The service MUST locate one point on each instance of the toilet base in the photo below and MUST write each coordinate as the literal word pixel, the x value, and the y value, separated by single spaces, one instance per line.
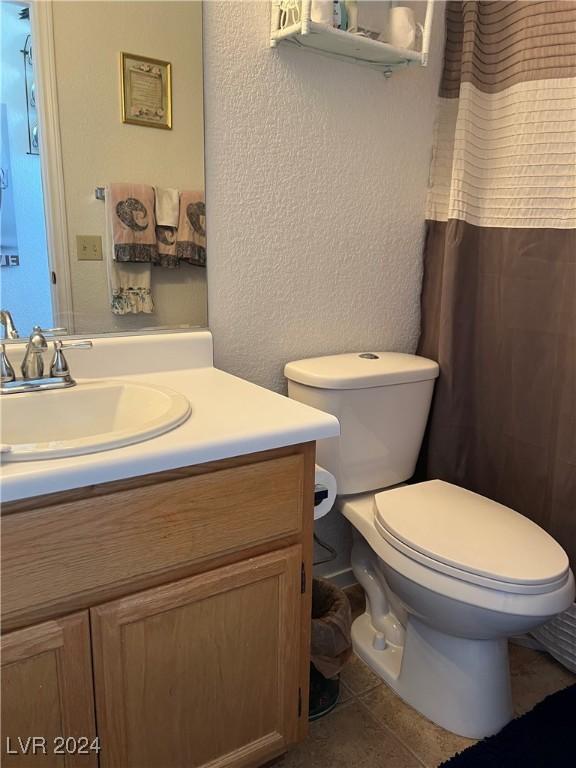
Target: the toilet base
pixel 462 685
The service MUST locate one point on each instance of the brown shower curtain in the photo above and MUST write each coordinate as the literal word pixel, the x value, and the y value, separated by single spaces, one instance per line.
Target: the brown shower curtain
pixel 499 292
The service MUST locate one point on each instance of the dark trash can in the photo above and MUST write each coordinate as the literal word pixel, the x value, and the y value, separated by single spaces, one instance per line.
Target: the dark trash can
pixel 331 645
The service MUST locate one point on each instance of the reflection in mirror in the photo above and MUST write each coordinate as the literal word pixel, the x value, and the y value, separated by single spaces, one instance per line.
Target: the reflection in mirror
pixel 102 182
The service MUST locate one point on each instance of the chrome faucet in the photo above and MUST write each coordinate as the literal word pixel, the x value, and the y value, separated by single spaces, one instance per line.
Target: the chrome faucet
pixel 33 364
pixel 10 331
pixel 32 368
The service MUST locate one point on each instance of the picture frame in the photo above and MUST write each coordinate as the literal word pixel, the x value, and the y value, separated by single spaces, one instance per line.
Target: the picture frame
pixel 146 91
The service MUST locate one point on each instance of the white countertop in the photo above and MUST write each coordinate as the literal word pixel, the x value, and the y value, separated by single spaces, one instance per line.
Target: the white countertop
pixel 230 417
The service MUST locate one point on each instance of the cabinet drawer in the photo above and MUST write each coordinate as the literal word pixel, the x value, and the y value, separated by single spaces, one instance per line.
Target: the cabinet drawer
pixel 81 547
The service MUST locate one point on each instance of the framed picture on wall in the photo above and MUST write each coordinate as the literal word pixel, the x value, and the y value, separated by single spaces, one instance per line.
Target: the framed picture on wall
pixel 146 86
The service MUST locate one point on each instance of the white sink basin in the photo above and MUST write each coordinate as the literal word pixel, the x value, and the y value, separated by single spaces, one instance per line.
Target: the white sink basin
pixel 92 416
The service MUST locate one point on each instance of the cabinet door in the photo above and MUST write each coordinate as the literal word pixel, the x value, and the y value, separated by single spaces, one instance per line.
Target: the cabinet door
pixel 201 672
pixel 47 693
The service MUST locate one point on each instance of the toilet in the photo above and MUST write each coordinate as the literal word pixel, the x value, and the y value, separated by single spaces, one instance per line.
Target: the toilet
pixel 449 575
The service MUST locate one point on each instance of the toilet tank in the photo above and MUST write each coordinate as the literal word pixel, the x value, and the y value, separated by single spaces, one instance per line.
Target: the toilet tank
pixel 381 400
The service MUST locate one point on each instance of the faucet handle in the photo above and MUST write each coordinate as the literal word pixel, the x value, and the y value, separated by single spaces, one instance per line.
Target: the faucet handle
pixel 50 331
pixel 80 344
pixel 59 365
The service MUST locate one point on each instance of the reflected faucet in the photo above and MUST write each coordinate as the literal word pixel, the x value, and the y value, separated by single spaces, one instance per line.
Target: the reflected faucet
pixel 10 331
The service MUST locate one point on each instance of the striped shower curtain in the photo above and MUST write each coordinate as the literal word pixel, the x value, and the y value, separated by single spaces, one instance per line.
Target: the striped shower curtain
pixel 499 291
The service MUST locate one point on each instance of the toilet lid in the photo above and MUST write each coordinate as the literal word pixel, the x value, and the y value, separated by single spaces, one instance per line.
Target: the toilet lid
pixel 460 529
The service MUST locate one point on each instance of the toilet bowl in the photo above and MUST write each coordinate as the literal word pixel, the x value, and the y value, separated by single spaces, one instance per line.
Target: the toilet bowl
pixel 449 575
pixel 437 634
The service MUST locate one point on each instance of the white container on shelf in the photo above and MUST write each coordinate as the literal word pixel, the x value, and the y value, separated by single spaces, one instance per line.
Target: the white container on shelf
pixel 322 11
pixel 403 27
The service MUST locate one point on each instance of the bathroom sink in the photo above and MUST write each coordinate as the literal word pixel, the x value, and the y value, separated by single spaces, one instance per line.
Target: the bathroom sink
pixel 92 416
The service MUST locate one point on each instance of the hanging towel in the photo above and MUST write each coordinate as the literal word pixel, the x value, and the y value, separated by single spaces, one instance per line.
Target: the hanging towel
pixel 167 214
pixel 191 242
pixel 131 211
pixel 130 289
pixel 128 282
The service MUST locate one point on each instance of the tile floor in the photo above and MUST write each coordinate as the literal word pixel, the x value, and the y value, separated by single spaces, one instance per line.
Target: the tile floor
pixel 372 728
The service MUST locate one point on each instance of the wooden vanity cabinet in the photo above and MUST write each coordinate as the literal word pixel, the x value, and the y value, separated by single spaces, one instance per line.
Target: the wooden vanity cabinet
pixel 191 652
pixel 204 671
pixel 47 693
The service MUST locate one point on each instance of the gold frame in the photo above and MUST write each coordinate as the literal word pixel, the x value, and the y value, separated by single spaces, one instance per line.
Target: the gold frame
pixel 166 123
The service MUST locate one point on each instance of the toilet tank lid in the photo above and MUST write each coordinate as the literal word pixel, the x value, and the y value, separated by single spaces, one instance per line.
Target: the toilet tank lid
pixel 360 370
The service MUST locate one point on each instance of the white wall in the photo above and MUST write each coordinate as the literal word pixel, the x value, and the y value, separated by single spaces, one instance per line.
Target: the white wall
pixel 316 183
pixel 97 148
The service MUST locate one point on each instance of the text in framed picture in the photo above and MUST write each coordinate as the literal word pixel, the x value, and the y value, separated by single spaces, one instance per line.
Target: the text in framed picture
pixel 146 91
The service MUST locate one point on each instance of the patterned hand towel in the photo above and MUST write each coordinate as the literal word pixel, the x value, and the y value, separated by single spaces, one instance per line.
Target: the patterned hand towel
pixel 128 281
pixel 131 212
pixel 167 214
pixel 191 243
pixel 130 289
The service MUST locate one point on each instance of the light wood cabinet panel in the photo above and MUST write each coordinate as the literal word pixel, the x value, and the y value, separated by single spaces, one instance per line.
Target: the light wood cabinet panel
pixel 47 692
pixel 207 668
pixel 202 672
pixel 67 556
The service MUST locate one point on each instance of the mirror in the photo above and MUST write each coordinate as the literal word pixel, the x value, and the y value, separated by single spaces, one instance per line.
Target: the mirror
pixel 102 142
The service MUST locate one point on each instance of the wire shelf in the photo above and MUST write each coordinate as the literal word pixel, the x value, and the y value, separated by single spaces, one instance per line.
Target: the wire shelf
pixel 291 23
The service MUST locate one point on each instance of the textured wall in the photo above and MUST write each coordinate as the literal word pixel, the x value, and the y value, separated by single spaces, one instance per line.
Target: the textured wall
pixel 316 176
pixel 316 179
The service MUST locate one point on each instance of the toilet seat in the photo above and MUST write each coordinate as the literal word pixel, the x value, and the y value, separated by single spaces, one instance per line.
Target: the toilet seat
pixel 469 537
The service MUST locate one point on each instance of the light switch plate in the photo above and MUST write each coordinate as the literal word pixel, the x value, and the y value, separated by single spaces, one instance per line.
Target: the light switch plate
pixel 89 247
